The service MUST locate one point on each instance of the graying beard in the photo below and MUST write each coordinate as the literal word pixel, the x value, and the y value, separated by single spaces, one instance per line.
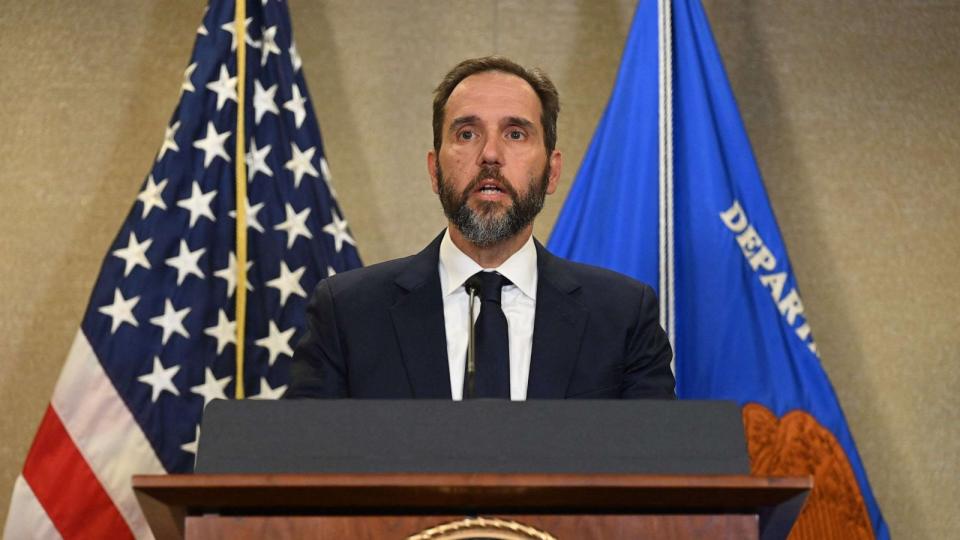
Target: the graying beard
pixel 486 231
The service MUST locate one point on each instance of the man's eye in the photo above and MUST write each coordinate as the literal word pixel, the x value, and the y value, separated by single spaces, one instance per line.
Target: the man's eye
pixel 467 135
pixel 516 135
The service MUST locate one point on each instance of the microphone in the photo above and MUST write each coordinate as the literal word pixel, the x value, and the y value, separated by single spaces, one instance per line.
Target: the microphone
pixel 472 285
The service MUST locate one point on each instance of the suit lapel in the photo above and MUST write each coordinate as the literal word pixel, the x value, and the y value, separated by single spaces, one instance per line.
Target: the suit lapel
pixel 557 329
pixel 418 321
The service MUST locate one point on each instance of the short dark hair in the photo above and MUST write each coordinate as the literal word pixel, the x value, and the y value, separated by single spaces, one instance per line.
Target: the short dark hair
pixel 538 80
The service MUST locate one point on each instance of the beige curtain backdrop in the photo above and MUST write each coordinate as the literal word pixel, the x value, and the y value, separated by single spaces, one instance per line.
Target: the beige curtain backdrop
pixel 851 105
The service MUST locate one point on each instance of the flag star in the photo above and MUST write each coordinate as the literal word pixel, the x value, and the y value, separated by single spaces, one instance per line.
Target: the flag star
pixel 225 331
pixel 295 225
pixel 186 262
pixel 269 393
pixel 232 28
pixel 252 212
pixel 212 145
pixel 338 229
pixel 120 311
pixel 187 85
pixel 295 58
pixel 152 196
pixel 257 160
pixel 277 342
pixel 269 44
pixel 230 274
pixel 301 163
pixel 168 140
pixel 327 175
pixel 212 387
pixel 198 203
pixel 171 321
pixel 288 282
pixel 135 254
pixel 331 271
pixel 191 446
pixel 202 29
pixel 225 86
pixel 295 105
pixel 160 379
pixel 264 101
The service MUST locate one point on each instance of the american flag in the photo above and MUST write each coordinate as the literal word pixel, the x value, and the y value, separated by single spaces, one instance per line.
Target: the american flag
pixel 158 340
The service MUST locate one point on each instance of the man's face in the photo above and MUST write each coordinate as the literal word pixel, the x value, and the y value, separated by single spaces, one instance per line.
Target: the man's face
pixel 492 172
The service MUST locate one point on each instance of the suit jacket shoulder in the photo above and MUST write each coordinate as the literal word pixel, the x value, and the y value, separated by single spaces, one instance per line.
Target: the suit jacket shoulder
pixel 599 330
pixel 375 331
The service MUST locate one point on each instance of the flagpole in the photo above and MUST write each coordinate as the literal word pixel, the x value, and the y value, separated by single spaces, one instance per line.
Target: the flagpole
pixel 240 167
pixel 666 225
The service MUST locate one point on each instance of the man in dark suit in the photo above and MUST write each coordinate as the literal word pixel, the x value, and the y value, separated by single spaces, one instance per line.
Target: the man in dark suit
pixel 485 310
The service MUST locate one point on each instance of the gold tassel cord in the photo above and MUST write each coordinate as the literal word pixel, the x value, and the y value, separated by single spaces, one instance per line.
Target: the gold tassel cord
pixel 240 30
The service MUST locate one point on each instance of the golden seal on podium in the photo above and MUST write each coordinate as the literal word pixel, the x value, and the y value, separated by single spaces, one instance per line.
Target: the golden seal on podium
pixel 482 528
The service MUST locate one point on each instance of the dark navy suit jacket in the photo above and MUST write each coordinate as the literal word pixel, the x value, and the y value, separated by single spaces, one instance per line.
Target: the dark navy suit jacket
pixel 378 333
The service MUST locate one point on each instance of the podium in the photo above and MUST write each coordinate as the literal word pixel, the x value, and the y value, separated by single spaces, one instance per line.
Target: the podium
pixel 442 470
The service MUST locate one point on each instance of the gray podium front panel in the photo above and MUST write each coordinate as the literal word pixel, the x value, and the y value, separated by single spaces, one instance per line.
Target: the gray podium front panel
pixel 481 436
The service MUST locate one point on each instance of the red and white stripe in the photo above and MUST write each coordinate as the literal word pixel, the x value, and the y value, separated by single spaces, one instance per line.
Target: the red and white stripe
pixel 76 482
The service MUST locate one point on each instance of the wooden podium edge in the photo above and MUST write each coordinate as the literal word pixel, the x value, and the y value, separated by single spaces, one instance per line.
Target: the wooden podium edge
pixel 165 520
pixel 167 500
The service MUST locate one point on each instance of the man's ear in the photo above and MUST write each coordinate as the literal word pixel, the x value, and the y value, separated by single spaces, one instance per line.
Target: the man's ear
pixel 556 166
pixel 432 171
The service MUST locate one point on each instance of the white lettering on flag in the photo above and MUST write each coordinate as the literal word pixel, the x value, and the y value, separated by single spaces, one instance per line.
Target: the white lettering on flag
pixel 764 262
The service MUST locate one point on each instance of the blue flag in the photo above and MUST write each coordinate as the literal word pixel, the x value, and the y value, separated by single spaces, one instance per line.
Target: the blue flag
pixel 669 192
pixel 158 340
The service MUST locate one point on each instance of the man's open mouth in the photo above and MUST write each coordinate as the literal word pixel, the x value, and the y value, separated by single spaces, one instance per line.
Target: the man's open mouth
pixel 490 186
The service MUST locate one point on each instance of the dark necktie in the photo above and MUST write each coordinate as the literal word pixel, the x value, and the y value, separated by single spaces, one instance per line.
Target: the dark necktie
pixel 492 343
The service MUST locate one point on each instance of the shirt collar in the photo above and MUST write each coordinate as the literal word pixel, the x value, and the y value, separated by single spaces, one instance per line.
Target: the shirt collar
pixel 456 266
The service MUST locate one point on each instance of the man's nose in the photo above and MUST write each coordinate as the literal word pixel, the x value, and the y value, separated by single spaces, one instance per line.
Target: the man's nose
pixel 492 152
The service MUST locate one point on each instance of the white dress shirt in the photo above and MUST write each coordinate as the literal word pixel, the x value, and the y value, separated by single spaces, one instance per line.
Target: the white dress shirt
pixel 519 301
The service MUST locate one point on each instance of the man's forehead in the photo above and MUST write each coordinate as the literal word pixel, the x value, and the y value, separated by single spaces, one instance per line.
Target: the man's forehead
pixel 496 90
